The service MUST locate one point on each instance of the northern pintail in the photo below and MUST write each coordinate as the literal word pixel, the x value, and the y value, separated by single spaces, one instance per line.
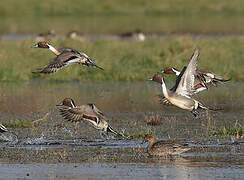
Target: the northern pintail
pixel 203 78
pixel 181 93
pixel 65 57
pixel 3 128
pixel 164 148
pixel 87 112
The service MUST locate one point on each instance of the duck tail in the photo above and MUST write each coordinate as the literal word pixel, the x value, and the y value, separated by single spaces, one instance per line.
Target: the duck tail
pixel 219 79
pixel 110 129
pixel 201 106
pixel 3 128
pixel 92 63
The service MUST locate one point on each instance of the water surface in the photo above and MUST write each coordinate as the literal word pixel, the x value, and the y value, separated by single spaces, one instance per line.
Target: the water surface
pixel 52 148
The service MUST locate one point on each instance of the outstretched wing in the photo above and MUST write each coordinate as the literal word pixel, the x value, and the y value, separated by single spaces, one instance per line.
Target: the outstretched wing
pixel 173 89
pixel 186 83
pixel 72 114
pixel 64 59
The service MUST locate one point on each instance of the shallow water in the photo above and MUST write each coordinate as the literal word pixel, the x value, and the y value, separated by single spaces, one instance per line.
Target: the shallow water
pixel 52 146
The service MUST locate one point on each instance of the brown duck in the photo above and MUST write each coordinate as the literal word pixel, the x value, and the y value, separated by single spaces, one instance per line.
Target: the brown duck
pixel 164 148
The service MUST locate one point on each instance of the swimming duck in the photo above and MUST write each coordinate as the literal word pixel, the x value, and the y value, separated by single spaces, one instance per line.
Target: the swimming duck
pixel 164 148
pixel 3 128
pixel 87 112
pixel 65 57
pixel 180 94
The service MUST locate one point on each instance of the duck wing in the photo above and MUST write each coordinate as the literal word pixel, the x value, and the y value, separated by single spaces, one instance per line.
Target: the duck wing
pixel 186 83
pixel 164 101
pixel 72 114
pixel 173 89
pixel 95 109
pixel 64 59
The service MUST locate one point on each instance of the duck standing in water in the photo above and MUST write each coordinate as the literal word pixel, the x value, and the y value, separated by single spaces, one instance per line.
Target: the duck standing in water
pixel 65 57
pixel 87 112
pixel 164 148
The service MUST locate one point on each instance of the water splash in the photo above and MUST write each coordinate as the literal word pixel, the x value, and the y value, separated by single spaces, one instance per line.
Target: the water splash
pixel 35 141
pixel 9 137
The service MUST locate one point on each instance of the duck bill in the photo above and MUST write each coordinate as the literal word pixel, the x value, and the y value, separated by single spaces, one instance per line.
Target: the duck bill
pixel 34 46
pixel 60 104
pixel 149 79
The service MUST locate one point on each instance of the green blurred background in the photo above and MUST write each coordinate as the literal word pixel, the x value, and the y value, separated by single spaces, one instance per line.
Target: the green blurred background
pixel 214 26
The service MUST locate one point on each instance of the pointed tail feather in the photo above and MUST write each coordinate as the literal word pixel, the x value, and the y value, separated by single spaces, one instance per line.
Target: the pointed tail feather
pixel 110 129
pixel 3 128
pixel 92 63
pixel 209 108
pixel 96 66
pixel 221 80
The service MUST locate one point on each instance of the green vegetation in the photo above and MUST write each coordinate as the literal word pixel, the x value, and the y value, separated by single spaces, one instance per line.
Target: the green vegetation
pixel 226 132
pixel 114 16
pixel 18 124
pixel 124 60
pixel 136 135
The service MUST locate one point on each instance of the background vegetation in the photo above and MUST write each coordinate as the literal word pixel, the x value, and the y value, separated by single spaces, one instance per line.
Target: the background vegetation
pixel 124 60
pixel 115 16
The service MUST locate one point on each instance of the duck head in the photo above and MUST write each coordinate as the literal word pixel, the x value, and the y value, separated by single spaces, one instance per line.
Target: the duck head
pixel 67 102
pixel 157 78
pixel 41 44
pixel 170 70
pixel 149 138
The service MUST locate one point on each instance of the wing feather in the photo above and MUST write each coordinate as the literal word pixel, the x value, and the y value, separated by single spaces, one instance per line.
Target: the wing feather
pixel 186 84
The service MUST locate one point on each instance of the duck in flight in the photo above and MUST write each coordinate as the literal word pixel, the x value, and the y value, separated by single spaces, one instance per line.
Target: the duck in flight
pixel 181 94
pixel 64 57
pixel 203 78
pixel 88 112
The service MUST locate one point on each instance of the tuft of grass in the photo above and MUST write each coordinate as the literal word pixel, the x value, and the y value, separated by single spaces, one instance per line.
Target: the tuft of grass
pixel 153 120
pixel 237 131
pixel 18 124
pixel 137 135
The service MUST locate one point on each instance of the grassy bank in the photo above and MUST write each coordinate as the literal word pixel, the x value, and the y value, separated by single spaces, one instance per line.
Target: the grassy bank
pixel 125 60
pixel 113 16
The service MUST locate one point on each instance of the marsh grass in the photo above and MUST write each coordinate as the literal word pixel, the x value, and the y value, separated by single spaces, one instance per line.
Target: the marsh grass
pixel 236 131
pixel 154 120
pixel 18 124
pixel 137 135
pixel 124 60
